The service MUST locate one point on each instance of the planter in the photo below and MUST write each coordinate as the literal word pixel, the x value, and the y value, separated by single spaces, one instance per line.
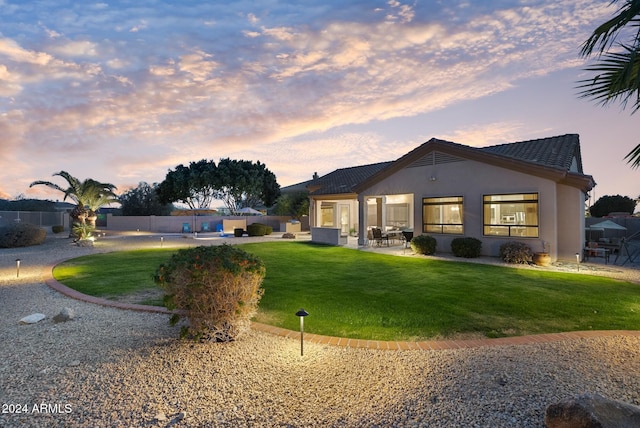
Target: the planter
pixel 542 259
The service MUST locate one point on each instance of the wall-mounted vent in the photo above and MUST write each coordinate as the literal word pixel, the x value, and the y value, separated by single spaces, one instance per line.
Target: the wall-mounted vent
pixel 435 158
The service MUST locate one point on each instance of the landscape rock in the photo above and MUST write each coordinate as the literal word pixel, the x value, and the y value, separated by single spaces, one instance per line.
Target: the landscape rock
pixel 592 411
pixel 288 235
pixel 66 314
pixel 32 319
pixel 85 243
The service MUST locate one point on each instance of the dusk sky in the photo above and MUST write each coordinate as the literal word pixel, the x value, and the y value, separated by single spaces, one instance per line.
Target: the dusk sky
pixel 123 91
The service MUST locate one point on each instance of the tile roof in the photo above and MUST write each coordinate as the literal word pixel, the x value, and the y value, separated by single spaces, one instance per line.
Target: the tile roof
pixel 560 153
pixel 554 152
pixel 344 179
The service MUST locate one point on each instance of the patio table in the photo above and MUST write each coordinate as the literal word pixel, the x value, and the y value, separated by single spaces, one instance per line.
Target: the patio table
pixel 597 252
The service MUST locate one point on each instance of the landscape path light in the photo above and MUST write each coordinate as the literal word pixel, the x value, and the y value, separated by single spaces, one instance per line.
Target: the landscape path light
pixel 578 260
pixel 302 313
pixel 17 268
pixel 161 241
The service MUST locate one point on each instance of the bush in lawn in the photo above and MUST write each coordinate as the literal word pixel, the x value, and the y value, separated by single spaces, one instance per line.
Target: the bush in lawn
pixel 58 228
pixel 466 247
pixel 423 244
pixel 21 235
pixel 256 229
pixel 217 288
pixel 515 252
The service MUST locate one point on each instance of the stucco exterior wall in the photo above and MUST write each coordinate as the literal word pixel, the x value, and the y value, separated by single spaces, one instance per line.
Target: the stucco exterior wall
pixel 571 209
pixel 473 180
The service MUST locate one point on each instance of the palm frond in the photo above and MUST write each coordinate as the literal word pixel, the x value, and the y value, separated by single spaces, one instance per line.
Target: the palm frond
pixel 617 79
pixel 606 34
pixel 633 157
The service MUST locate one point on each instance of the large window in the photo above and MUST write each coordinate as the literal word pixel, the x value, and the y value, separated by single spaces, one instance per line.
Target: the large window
pixel 327 214
pixel 442 215
pixel 511 215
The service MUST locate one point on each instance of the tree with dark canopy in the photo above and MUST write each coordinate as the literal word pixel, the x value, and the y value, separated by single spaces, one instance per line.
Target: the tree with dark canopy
pixel 237 183
pixel 609 204
pixel 143 200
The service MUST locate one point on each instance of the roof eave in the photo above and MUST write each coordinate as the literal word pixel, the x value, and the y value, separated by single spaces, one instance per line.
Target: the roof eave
pixel 340 196
pixel 581 181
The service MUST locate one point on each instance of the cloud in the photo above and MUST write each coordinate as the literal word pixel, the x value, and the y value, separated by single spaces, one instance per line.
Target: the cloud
pixel 216 79
pixel 487 134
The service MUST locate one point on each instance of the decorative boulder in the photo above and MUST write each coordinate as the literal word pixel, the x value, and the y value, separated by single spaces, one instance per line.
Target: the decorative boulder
pixel 66 314
pixel 32 319
pixel 592 411
pixel 288 235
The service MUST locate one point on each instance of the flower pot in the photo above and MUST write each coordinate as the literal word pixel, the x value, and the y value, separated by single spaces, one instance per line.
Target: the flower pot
pixel 542 259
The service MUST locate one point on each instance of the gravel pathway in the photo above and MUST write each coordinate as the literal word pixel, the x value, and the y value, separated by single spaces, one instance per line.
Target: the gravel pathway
pixel 116 368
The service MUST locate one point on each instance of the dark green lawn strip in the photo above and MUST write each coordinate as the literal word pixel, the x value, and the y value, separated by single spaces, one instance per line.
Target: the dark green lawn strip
pixel 374 296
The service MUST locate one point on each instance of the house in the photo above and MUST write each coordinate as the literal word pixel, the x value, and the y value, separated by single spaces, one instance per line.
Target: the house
pixel 531 191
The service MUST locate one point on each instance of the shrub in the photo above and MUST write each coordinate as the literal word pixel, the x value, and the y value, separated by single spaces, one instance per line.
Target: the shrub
pixel 423 244
pixel 259 229
pixel 21 235
pixel 58 228
pixel 466 247
pixel 82 231
pixel 515 252
pixel 256 229
pixel 238 232
pixel 217 288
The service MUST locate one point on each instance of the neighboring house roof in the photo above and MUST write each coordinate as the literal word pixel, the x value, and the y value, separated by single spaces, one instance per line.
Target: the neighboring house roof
pixel 298 187
pixel 556 158
pixel 343 180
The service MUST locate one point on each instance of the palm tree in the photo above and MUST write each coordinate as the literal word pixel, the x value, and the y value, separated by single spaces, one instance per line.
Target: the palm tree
pixel 618 63
pixel 89 195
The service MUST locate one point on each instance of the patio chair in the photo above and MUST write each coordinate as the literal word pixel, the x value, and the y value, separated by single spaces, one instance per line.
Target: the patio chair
pixel 378 237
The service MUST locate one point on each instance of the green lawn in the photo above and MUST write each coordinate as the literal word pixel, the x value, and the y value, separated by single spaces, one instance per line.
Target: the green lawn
pixel 368 295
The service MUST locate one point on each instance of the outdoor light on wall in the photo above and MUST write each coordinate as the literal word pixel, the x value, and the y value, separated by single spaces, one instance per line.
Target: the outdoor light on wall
pixel 432 178
pixel 302 313
pixel 17 268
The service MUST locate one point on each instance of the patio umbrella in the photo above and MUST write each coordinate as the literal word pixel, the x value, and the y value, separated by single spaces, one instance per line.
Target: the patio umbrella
pixel 249 211
pixel 606 225
pixel 599 229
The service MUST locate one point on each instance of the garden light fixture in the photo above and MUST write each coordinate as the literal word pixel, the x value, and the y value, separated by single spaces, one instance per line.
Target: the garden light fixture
pixel 578 260
pixel 17 268
pixel 302 313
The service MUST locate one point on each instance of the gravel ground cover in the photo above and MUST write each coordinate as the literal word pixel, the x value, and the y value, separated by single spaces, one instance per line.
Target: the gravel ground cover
pixel 115 368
